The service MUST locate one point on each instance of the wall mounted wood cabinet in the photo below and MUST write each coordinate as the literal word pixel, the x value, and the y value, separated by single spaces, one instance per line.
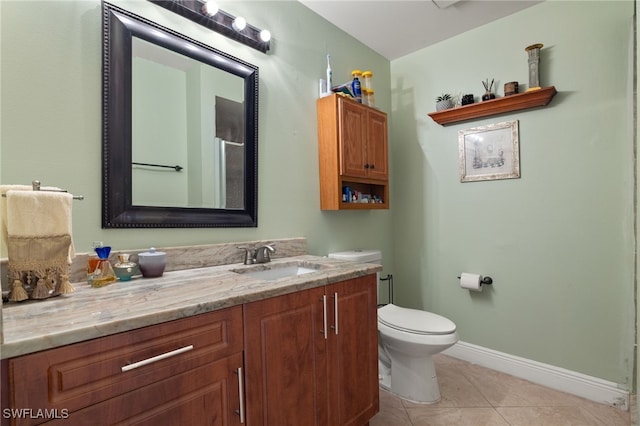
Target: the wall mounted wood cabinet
pixel 353 152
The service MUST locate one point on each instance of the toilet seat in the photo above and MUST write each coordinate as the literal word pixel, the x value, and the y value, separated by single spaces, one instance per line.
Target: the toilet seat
pixel 415 321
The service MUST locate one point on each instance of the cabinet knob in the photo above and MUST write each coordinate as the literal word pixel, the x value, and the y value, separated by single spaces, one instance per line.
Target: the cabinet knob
pixel 372 166
pixel 366 166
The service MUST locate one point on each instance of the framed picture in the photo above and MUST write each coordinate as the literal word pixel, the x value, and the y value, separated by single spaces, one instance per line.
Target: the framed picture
pixel 489 152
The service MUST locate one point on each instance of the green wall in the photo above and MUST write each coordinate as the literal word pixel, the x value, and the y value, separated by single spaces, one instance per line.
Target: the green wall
pixel 51 118
pixel 559 241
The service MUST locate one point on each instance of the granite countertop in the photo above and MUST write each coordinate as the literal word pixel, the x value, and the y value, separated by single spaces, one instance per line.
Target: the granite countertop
pixel 96 312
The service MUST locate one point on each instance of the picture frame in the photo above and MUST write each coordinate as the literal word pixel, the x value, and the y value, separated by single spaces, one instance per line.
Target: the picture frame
pixel 489 152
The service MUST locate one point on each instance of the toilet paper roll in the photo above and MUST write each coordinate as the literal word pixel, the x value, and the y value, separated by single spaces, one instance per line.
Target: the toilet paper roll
pixel 471 281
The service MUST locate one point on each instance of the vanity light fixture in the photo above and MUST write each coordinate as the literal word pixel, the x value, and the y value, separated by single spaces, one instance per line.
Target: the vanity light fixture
pixel 207 13
pixel 265 35
pixel 239 23
pixel 210 8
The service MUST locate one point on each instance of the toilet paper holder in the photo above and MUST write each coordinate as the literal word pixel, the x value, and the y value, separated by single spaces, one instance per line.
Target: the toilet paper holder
pixel 485 280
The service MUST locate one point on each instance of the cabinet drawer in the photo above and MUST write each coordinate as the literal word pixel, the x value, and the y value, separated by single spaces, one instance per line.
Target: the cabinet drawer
pixel 206 395
pixel 82 374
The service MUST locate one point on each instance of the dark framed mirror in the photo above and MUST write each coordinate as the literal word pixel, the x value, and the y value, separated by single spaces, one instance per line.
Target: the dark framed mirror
pixel 180 129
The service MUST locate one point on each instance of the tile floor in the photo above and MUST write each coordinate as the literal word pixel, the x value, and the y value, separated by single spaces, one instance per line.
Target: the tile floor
pixel 475 396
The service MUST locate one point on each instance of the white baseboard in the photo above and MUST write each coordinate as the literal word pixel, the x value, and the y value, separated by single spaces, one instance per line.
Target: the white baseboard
pixel 568 381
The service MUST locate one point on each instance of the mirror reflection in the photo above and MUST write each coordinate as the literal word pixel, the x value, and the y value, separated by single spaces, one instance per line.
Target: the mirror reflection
pixel 190 152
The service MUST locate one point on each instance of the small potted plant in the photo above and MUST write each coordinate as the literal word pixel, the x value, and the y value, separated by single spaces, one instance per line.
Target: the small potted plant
pixel 444 101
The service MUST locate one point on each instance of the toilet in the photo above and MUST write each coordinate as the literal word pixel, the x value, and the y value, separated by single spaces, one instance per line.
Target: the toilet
pixel 407 340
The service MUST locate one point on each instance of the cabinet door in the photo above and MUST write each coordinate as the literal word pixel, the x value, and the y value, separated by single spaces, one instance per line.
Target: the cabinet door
pixel 353 351
pixel 377 159
pixel 285 360
pixel 353 137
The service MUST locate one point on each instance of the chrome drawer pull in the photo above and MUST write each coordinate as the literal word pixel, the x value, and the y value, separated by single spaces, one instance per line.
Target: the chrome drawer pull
pixel 240 412
pixel 157 358
pixel 335 307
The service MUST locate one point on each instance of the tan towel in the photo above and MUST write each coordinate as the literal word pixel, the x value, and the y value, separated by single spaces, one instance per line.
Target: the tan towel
pixel 39 242
pixel 3 204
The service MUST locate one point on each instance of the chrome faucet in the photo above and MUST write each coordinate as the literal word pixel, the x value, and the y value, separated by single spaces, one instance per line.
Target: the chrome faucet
pixel 260 255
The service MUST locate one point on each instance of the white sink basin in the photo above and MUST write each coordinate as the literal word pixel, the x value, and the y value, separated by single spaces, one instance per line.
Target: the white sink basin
pixel 275 272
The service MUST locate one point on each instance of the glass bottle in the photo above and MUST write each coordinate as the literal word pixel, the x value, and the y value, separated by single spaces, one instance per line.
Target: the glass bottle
pixel 103 273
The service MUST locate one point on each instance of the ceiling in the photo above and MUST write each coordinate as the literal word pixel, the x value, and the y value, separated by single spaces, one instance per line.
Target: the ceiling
pixel 397 28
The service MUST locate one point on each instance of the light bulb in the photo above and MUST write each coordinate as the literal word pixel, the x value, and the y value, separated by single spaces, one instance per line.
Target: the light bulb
pixel 265 35
pixel 239 23
pixel 210 8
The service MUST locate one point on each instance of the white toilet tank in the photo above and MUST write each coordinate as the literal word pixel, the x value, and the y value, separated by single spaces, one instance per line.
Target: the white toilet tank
pixel 361 256
pixel 358 256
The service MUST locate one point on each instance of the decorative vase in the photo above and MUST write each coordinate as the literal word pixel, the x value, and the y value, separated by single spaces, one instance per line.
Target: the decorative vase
pixel 444 104
pixel 488 96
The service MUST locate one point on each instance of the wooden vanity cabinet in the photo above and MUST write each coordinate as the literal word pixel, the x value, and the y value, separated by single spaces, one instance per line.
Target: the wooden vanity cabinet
pixel 189 371
pixel 353 152
pixel 311 357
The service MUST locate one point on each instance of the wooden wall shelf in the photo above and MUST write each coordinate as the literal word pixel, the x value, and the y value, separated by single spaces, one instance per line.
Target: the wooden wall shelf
pixel 532 99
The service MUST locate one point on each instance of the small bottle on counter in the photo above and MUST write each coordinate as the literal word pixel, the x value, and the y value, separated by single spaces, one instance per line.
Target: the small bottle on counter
pixel 125 268
pixel 103 273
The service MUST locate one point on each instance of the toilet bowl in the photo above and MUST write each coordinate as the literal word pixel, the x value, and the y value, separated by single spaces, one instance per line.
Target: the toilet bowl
pixel 407 341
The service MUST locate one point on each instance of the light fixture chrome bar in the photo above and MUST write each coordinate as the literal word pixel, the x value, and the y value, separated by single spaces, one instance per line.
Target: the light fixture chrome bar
pixel 221 22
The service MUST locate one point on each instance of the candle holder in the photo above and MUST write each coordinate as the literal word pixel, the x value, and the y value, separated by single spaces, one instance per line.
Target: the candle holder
pixel 533 52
